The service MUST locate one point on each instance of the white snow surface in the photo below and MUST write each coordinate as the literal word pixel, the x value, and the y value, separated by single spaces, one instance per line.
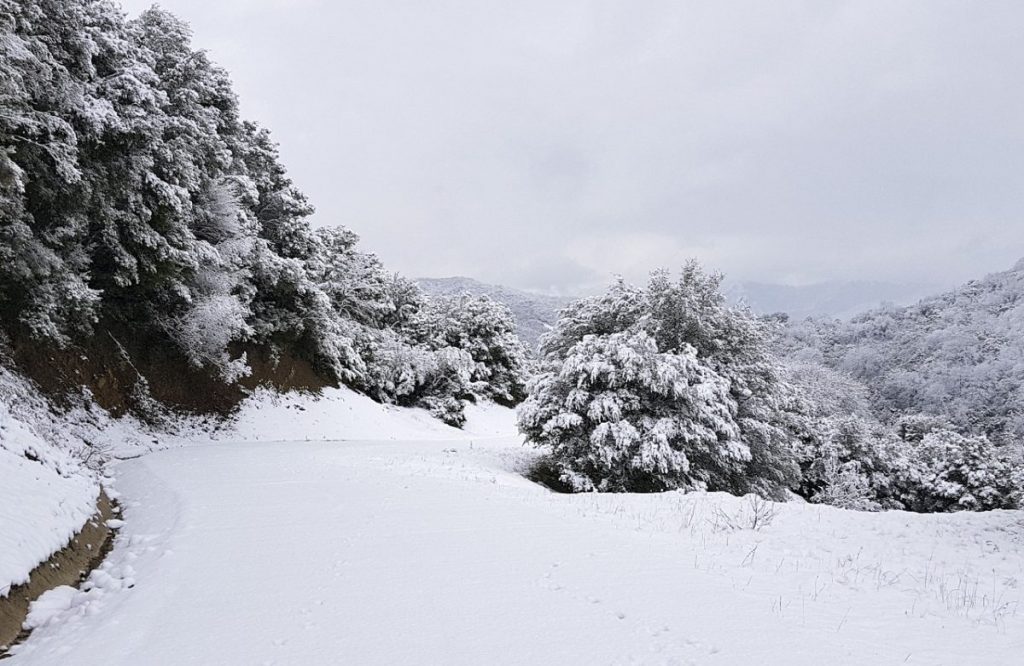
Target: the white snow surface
pixel 46 495
pixel 430 550
pixel 43 510
pixel 338 414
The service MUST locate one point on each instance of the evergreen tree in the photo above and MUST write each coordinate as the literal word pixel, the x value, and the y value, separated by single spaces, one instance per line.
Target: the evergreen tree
pixel 687 318
pixel 485 329
pixel 621 416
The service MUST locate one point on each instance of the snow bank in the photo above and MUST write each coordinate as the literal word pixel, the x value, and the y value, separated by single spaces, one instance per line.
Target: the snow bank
pixel 332 415
pixel 340 414
pixel 50 605
pixel 46 494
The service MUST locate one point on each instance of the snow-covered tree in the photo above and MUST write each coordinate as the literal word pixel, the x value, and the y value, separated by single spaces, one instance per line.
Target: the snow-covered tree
pixel 621 416
pixel 44 280
pixel 616 310
pixel 485 329
pixel 736 344
pixel 955 473
pixel 690 319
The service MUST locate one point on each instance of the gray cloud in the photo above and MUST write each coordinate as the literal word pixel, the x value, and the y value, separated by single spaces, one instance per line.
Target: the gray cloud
pixel 551 145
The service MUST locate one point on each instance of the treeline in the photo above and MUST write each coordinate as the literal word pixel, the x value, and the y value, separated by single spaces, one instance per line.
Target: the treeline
pixel 134 197
pixel 668 387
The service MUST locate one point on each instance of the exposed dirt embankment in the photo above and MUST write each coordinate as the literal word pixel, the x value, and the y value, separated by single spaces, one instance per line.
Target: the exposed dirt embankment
pixel 67 566
pixel 123 368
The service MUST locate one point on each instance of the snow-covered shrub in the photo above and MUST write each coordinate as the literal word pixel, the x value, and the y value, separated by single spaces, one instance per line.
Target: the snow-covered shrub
pixel 395 371
pixel 485 329
pixel 621 416
pixel 448 409
pixel 409 375
pixel 951 472
pixel 852 462
pixel 847 458
pixel 205 329
pixel 846 486
pixel 687 319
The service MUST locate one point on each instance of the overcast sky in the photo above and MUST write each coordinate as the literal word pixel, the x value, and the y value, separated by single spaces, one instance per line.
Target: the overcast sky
pixel 550 144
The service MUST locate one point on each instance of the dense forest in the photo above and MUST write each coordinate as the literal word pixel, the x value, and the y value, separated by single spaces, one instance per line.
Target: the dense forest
pixel 145 224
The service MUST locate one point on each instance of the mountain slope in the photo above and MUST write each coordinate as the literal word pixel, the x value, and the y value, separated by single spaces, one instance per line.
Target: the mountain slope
pixel 958 355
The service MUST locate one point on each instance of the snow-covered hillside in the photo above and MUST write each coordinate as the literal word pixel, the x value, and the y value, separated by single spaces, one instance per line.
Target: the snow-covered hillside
pixel 340 414
pixel 423 549
pixel 956 355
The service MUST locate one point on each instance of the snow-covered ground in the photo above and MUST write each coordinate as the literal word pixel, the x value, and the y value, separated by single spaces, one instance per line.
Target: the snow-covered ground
pixel 46 492
pixel 338 414
pixel 43 508
pixel 432 550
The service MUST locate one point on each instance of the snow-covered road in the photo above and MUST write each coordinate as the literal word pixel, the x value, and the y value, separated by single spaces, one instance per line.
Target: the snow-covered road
pixel 438 552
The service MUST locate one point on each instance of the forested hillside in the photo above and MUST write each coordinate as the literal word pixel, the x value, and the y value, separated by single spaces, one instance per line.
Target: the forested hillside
pixel 152 244
pixel 958 356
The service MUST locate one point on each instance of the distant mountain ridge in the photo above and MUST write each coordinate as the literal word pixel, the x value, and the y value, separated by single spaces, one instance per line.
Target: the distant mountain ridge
pixel 534 313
